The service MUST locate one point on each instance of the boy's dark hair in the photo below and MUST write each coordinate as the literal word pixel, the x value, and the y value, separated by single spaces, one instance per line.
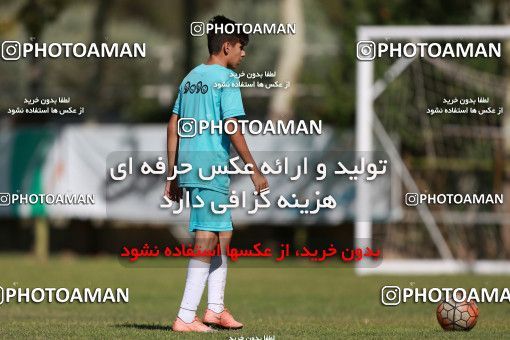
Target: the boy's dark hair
pixel 216 40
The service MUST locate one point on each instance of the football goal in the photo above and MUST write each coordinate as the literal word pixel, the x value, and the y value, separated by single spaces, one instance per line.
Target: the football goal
pixel 433 98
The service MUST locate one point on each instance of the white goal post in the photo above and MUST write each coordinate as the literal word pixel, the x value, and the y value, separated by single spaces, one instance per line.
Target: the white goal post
pixel 368 89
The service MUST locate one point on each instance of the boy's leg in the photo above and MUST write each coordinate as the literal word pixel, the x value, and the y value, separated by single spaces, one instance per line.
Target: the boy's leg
pixel 218 275
pixel 217 315
pixel 198 271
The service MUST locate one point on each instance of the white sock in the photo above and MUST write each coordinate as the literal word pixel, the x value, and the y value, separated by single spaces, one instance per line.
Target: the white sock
pixel 195 284
pixel 216 283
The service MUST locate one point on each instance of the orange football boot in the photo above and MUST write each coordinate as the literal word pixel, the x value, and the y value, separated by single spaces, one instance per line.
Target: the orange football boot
pixel 195 326
pixel 223 320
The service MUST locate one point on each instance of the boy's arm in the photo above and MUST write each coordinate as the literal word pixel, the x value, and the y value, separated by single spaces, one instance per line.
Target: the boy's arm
pixel 172 189
pixel 258 179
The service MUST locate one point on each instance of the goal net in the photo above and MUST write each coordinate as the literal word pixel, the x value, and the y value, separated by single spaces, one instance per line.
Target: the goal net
pixel 440 117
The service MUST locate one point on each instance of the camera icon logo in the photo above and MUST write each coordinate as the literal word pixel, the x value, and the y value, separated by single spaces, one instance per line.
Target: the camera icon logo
pixel 197 29
pixel 411 199
pixel 187 127
pixel 5 199
pixel 365 50
pixel 11 50
pixel 390 295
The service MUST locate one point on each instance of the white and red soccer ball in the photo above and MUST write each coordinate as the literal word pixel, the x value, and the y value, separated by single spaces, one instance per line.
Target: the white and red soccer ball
pixel 457 316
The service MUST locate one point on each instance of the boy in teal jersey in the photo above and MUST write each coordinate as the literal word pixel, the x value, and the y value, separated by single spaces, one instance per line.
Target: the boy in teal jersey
pixel 200 99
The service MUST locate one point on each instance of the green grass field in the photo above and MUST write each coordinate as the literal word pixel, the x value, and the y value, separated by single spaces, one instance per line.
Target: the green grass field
pixel 287 303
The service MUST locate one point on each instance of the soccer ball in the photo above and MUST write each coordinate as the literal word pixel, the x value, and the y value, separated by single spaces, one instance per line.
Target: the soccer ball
pixel 457 316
